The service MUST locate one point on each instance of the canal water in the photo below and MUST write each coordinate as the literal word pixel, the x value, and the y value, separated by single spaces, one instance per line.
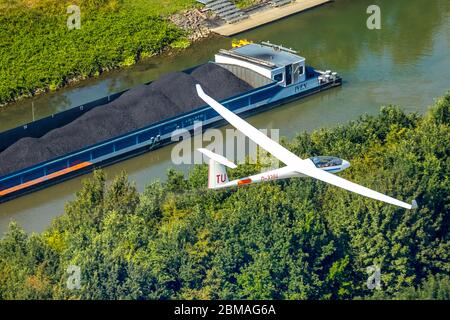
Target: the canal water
pixel 405 63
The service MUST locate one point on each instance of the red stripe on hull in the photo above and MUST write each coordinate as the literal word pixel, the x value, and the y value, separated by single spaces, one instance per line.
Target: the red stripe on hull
pixel 45 178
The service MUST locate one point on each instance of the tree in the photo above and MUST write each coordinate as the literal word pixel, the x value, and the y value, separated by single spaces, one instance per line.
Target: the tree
pixel 290 239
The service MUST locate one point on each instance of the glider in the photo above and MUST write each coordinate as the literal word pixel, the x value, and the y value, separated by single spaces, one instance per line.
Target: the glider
pixel 320 168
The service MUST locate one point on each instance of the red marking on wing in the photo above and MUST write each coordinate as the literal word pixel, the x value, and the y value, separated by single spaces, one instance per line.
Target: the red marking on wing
pixel 244 181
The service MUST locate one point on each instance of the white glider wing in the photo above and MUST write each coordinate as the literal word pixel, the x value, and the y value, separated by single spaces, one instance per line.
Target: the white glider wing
pixel 305 167
pixel 350 186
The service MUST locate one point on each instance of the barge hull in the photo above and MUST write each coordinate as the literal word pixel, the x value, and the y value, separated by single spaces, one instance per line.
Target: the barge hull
pixel 278 97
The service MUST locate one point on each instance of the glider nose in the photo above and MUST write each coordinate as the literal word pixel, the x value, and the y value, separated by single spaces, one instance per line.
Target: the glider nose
pixel 345 164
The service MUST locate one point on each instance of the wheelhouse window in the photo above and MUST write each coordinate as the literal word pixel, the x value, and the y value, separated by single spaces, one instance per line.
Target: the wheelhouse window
pixel 288 70
pixel 297 71
pixel 301 70
pixel 278 77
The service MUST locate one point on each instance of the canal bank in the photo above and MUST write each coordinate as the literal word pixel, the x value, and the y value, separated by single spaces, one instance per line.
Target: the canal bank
pixel 405 63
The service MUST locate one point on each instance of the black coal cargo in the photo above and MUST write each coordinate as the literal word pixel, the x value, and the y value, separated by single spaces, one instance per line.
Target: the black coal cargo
pixel 141 106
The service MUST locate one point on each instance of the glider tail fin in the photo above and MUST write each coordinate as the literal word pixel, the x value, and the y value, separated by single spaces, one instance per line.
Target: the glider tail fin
pixel 217 174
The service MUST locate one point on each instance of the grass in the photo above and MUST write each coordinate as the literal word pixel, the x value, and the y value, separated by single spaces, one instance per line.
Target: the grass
pixel 162 7
pixel 243 4
pixel 39 53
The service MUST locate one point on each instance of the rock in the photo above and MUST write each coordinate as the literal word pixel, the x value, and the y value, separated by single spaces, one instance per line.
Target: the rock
pixel 194 22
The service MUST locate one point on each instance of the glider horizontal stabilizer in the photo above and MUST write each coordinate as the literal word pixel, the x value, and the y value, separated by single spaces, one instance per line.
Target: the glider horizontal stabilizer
pixel 218 158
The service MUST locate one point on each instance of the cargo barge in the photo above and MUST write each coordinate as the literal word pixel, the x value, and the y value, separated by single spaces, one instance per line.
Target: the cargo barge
pixel 276 74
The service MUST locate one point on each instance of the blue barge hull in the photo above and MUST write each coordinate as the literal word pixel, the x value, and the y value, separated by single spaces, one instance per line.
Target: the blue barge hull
pixel 137 142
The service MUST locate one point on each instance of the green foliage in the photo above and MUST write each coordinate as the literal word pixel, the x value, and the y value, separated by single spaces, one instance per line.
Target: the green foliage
pixel 39 52
pixel 292 239
pixel 181 43
pixel 433 287
pixel 242 4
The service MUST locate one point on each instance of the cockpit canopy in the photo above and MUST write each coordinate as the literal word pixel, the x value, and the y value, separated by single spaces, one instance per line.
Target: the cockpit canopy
pixel 326 161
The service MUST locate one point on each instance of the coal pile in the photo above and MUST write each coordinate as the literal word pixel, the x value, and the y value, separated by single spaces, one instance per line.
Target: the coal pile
pixel 172 94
